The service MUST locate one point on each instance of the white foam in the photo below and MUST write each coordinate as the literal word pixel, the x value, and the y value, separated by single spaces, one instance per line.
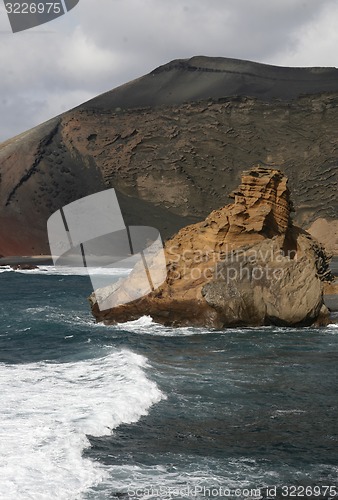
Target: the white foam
pixel 48 409
pixel 70 271
pixel 5 269
pixel 146 325
pixel 333 326
pixel 291 411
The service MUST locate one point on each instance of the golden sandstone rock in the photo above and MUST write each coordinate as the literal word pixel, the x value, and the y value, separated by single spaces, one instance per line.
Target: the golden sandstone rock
pixel 245 264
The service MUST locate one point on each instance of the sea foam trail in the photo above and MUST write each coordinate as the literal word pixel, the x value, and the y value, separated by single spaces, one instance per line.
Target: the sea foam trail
pixel 48 408
pixel 69 271
pixel 146 326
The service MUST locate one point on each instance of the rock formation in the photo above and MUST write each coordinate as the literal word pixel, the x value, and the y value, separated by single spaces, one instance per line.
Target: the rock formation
pixel 245 264
pixel 172 143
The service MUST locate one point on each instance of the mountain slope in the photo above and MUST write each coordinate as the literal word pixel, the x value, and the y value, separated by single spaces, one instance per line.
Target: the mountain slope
pixel 201 78
pixel 173 143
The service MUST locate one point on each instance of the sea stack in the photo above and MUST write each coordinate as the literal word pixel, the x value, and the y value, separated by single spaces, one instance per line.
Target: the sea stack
pixel 246 264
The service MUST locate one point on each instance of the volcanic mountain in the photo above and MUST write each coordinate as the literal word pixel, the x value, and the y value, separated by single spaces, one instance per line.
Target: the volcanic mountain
pixel 173 143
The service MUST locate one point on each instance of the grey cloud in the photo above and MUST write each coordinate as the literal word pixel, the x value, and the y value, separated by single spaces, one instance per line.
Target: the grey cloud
pixel 16 115
pixel 100 45
pixel 158 29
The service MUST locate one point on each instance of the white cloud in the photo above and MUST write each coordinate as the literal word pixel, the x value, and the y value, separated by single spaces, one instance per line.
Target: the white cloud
pixel 316 42
pixel 84 62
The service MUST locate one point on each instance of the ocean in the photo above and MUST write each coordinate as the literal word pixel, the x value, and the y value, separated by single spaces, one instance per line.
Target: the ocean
pixel 139 410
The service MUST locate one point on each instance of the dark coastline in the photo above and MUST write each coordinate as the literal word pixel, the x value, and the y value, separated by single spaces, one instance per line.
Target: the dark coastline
pixel 34 260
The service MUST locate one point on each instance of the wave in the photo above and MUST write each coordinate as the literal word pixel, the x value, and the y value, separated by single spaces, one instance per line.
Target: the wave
pixel 4 269
pixel 49 408
pixel 146 326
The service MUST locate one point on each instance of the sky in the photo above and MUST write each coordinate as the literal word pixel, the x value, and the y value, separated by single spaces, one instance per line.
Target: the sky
pixel 101 44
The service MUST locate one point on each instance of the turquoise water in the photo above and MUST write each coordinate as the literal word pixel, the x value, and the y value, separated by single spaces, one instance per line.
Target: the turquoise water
pixel 141 410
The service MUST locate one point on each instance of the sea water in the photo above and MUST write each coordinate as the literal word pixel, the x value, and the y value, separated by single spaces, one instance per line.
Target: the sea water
pixel 139 410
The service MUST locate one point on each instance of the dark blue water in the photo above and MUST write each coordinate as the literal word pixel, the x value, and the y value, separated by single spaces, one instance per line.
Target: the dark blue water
pixel 142 410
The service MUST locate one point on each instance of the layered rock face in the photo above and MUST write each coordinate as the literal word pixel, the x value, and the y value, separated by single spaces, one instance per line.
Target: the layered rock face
pixel 245 264
pixel 173 143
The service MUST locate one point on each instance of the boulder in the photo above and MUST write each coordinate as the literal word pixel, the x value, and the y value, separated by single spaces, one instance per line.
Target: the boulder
pixel 262 286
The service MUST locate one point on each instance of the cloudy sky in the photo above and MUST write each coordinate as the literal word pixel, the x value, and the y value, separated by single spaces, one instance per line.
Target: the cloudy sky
pixel 101 44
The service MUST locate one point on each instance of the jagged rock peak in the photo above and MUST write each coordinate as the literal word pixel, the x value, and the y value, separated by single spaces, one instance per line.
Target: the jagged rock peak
pixel 262 201
pixel 261 209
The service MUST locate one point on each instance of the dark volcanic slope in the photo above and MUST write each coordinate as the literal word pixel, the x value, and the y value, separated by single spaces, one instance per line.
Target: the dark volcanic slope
pixel 201 78
pixel 173 143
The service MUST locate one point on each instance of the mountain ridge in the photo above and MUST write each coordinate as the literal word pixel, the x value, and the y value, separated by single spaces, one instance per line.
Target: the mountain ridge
pixel 172 163
pixel 233 77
